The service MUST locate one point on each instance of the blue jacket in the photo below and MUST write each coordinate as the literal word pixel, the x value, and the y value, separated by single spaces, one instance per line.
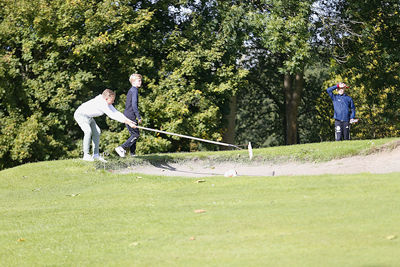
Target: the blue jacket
pixel 131 105
pixel 343 105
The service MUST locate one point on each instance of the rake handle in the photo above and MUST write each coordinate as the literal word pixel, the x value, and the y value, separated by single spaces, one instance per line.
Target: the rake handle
pixel 188 137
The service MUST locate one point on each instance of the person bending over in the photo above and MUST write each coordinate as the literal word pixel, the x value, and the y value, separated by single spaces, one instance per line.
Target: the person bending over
pixel 85 114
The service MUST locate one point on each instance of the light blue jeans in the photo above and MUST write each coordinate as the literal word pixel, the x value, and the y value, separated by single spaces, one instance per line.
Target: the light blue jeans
pixel 91 132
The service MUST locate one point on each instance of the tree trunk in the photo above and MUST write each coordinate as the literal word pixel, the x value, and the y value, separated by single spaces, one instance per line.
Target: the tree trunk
pixel 293 86
pixel 229 134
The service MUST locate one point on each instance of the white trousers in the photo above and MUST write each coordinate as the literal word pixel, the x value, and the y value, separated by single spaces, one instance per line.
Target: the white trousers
pixel 91 132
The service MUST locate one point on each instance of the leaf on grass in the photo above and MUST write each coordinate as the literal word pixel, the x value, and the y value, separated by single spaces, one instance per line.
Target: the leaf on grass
pixel 192 238
pixel 134 244
pixel 199 211
pixel 73 195
pixel 391 237
pixel 21 239
pixel 200 181
pixel 139 177
pixel 36 190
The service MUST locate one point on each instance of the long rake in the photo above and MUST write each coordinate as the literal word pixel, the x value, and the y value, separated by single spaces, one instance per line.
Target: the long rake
pixel 249 147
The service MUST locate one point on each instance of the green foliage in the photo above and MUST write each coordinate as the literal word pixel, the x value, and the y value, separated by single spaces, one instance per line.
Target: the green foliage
pixel 194 57
pixel 371 66
pixel 261 105
pixel 54 56
pixel 198 76
pixel 284 30
pixel 316 107
pixel 361 36
pixel 33 141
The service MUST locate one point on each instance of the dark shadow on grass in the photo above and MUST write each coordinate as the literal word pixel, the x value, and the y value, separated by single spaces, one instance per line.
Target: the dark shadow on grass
pixel 162 162
pixel 117 163
pixel 166 166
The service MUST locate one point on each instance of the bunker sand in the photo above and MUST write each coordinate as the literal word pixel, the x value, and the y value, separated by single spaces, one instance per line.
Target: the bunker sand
pixel 379 162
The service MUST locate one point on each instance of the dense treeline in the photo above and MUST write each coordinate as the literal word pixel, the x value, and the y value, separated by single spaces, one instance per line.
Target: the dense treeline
pixel 231 71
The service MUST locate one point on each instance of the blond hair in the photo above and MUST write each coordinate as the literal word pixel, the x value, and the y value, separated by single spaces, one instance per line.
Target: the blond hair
pixel 108 93
pixel 135 77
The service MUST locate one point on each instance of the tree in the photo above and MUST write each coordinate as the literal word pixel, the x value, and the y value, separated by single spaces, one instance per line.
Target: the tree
pixel 55 55
pixel 261 106
pixel 283 29
pixel 365 37
pixel 199 75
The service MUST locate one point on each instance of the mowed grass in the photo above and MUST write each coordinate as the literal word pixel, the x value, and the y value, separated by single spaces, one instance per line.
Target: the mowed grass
pixel 68 213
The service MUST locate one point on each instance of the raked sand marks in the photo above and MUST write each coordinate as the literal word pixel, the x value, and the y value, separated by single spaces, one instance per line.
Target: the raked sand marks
pixel 379 162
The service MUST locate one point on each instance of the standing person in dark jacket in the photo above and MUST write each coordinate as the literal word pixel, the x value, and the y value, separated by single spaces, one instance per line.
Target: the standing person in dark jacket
pixel 132 112
pixel 344 111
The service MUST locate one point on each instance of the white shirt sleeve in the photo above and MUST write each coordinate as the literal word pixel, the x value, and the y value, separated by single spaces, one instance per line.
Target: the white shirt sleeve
pixel 114 114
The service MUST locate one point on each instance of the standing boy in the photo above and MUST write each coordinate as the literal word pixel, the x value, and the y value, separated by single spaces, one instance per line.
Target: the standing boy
pixel 344 111
pixel 132 112
pixel 84 116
